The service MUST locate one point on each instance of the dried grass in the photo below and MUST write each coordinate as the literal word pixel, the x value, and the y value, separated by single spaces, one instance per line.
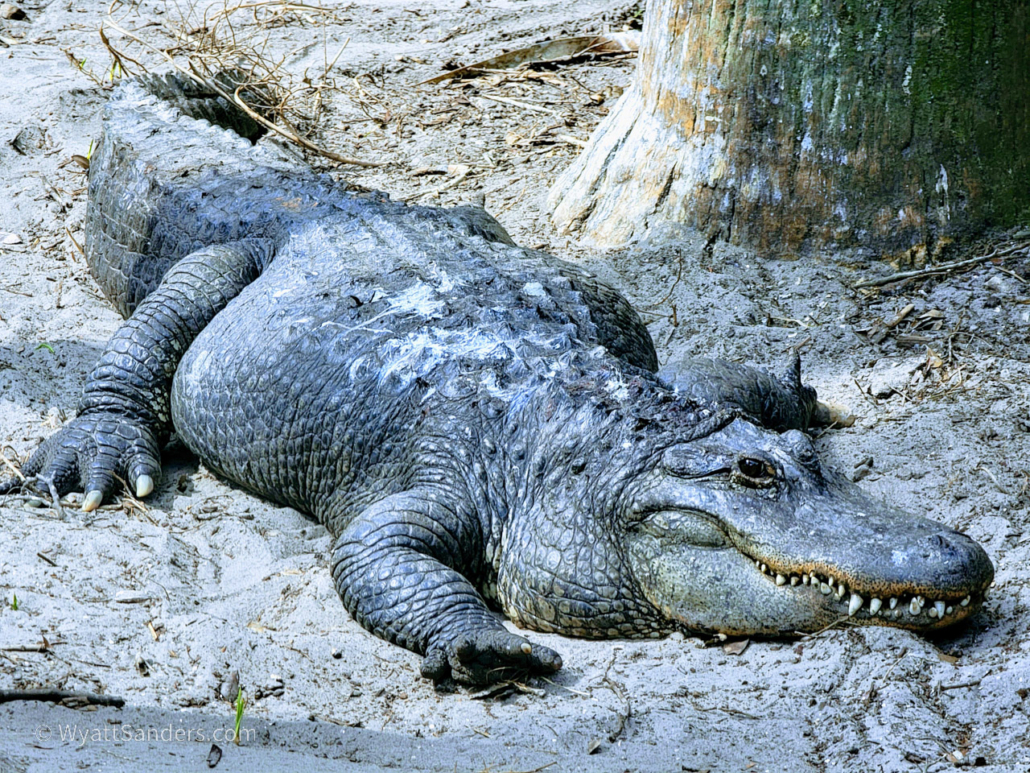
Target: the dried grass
pixel 203 41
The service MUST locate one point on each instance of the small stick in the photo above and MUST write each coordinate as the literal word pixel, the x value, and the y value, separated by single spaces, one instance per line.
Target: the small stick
pixel 28 648
pixel 1012 274
pixel 60 695
pixel 12 468
pixel 78 246
pixel 901 316
pixel 974 683
pixel 118 56
pixel 516 103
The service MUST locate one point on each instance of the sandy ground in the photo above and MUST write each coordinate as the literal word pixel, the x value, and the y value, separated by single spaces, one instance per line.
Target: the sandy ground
pixel 164 604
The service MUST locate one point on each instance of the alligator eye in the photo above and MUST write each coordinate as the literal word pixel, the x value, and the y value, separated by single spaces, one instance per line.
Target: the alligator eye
pixel 754 472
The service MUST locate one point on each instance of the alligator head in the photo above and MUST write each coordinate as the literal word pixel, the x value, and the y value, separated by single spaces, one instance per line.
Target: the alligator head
pixel 742 532
pixel 728 528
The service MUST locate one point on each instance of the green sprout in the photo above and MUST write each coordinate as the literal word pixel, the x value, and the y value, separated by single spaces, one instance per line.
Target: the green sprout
pixel 14 604
pixel 240 704
pixel 46 346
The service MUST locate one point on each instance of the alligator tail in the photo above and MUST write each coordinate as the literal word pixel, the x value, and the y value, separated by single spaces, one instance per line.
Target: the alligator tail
pixel 203 102
pixel 169 177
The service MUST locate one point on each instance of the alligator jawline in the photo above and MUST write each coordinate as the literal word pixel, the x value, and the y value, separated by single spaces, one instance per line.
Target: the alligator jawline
pixel 904 608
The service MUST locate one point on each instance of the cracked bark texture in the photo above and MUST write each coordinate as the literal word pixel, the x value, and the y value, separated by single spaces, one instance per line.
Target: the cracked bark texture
pixel 792 127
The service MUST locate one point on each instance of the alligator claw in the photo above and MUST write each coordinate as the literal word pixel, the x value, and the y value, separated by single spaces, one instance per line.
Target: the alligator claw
pixel 488 656
pixel 90 454
pixel 92 501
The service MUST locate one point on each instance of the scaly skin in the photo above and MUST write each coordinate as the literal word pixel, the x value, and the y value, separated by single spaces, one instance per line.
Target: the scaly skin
pixel 474 422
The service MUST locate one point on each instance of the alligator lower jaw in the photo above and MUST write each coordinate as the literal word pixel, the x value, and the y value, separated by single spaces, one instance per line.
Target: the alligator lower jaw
pixel 908 611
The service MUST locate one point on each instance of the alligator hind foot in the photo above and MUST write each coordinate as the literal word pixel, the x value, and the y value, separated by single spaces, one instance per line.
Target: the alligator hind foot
pixel 778 403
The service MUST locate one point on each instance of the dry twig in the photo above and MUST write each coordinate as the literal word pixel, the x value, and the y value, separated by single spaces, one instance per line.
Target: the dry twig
pixel 234 97
pixel 1020 249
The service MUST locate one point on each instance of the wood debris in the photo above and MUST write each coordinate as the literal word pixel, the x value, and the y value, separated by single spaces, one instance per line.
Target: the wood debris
pixel 549 52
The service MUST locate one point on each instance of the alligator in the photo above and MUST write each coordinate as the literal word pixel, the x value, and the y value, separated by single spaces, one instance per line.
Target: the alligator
pixel 480 426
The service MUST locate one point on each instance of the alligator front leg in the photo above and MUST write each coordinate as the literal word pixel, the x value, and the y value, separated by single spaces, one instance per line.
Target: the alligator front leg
pixel 398 568
pixel 777 403
pixel 124 416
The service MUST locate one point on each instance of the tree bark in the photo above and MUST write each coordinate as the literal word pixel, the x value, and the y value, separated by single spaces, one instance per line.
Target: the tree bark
pixel 793 127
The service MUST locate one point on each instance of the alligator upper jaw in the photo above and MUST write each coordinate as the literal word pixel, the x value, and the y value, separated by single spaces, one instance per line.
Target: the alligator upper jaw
pixel 865 560
pixel 902 607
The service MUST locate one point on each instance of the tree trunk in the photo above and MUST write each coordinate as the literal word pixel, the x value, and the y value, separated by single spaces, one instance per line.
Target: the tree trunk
pixel 791 126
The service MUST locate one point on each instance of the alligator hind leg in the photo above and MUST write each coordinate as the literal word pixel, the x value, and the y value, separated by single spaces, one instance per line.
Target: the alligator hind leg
pixel 398 566
pixel 125 414
pixel 777 403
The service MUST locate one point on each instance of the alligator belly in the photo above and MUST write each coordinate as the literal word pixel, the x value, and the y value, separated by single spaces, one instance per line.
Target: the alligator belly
pixel 268 390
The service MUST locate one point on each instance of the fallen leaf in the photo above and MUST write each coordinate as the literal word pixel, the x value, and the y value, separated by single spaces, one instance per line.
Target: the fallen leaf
pixel 735 647
pixel 548 52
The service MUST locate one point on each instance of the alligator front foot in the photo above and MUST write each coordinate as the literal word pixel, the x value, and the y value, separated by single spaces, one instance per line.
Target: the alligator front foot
pixel 488 656
pixel 93 452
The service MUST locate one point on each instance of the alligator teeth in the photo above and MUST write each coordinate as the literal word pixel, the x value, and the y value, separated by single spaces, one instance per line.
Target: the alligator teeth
pixel 831 586
pixel 854 605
